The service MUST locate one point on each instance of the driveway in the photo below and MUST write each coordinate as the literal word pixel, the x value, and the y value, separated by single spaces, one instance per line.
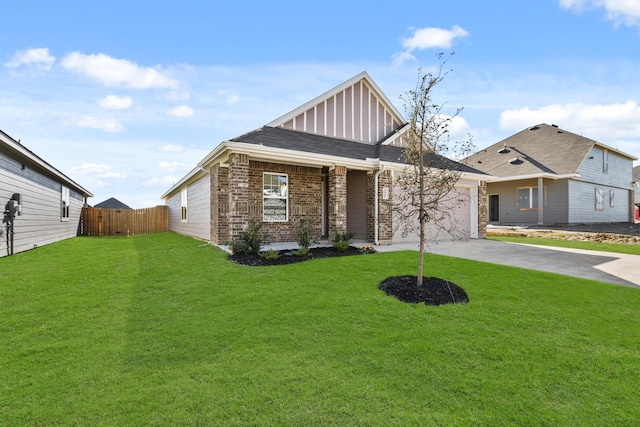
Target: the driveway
pixel 608 267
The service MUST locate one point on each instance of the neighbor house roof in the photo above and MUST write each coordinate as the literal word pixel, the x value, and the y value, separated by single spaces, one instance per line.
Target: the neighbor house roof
pixel 636 173
pixel 19 152
pixel 112 203
pixel 539 151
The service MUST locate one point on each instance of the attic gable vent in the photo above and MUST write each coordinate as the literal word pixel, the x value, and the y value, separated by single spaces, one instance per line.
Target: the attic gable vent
pixel 516 161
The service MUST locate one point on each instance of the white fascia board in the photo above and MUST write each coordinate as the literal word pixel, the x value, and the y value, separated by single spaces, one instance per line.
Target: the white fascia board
pixel 195 174
pixel 397 134
pixel 401 167
pixel 615 150
pixel 533 176
pixel 23 151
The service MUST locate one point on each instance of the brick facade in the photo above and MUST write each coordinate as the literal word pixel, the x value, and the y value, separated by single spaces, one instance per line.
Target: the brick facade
pixel 337 200
pixel 385 207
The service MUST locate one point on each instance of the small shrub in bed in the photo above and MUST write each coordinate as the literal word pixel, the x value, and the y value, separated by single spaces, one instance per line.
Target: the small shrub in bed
pixel 301 252
pixel 251 240
pixel 270 255
pixel 341 241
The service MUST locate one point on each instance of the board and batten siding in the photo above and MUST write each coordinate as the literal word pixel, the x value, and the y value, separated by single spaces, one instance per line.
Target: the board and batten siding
pixel 41 220
pixel 198 223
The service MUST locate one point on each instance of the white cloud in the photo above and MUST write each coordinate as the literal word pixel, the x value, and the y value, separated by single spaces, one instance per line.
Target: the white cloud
pixel 625 12
pixel 38 58
pixel 167 182
pixel 169 148
pixel 97 170
pixel 181 111
pixel 106 125
pixel 174 166
pixel 113 72
pixel 600 122
pixel 428 38
pixel 232 100
pixel 113 102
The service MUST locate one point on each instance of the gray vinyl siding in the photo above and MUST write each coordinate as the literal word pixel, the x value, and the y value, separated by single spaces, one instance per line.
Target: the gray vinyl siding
pixel 40 222
pixel 555 209
pixel 619 174
pixel 198 223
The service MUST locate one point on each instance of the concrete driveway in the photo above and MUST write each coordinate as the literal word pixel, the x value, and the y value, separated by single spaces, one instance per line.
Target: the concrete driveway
pixel 608 267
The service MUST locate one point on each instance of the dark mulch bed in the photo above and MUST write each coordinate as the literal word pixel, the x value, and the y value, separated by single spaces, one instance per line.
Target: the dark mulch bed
pixel 287 257
pixel 434 291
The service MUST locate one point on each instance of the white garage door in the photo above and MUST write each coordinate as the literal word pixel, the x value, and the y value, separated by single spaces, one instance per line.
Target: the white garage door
pixel 461 219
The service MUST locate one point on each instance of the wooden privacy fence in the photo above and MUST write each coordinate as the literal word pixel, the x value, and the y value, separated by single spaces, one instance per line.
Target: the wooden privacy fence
pixel 124 222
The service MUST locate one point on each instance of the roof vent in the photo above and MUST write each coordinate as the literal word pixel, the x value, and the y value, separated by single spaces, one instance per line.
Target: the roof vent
pixel 535 128
pixel 555 126
pixel 504 150
pixel 516 161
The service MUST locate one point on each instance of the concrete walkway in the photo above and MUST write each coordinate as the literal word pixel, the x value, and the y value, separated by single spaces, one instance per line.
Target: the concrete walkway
pixel 608 267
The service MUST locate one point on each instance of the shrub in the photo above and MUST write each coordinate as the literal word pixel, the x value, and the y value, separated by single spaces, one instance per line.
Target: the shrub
pixel 270 255
pixel 368 250
pixel 302 252
pixel 251 240
pixel 304 235
pixel 341 241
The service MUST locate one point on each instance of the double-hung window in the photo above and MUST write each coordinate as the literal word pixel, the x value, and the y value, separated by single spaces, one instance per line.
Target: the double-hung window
pixel 275 197
pixel 183 204
pixel 528 198
pixel 65 199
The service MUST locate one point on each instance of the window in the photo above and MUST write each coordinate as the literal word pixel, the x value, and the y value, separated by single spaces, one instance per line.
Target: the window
pixel 183 203
pixel 605 161
pixel 528 198
pixel 275 197
pixel 599 199
pixel 612 198
pixel 64 204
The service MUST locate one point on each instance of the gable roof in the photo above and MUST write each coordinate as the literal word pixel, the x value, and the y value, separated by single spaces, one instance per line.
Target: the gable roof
pixel 355 110
pixel 21 153
pixel 539 151
pixel 112 203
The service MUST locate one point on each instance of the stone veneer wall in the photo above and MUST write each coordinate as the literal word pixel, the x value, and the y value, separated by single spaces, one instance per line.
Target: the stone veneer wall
pixel 337 200
pixel 385 208
pixel 483 210
pixel 305 199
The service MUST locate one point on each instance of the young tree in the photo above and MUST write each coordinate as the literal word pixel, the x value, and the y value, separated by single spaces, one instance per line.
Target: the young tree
pixel 428 194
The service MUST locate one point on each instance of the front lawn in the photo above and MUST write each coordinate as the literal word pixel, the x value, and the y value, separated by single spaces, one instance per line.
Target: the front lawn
pixel 162 330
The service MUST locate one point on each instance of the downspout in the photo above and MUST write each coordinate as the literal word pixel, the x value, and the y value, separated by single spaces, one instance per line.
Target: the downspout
pixel 376 241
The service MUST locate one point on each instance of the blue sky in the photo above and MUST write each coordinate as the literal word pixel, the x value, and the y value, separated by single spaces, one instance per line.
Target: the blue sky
pixel 125 97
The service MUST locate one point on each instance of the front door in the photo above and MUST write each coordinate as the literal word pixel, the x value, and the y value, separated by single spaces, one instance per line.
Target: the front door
pixel 494 208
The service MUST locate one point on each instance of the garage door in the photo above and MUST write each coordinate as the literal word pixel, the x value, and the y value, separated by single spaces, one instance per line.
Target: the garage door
pixel 461 219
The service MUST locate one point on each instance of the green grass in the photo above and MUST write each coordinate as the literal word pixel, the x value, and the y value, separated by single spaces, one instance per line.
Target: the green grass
pixel 575 244
pixel 160 330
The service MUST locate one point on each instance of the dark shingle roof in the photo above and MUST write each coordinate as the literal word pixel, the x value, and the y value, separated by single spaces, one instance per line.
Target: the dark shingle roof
pixel 112 203
pixel 301 141
pixel 538 149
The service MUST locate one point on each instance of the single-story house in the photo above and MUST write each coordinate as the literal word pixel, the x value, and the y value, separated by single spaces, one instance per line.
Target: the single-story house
pixel 47 204
pixel 112 203
pixel 547 175
pixel 332 161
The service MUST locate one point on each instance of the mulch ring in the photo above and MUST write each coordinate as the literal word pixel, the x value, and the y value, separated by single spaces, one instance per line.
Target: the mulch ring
pixel 434 291
pixel 287 256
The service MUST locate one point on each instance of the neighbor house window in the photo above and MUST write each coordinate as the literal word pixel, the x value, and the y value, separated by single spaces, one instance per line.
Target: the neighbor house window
pixel 612 198
pixel 183 204
pixel 599 199
pixel 528 198
pixel 275 197
pixel 64 204
pixel 605 161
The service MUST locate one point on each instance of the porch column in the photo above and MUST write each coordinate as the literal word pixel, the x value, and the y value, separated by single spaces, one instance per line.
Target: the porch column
pixel 219 199
pixel 540 200
pixel 337 200
pixel 483 210
pixel 238 188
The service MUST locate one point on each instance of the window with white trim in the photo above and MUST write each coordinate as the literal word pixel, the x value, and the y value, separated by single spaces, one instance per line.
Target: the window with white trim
pixel 528 198
pixel 65 199
pixel 275 197
pixel 183 204
pixel 599 199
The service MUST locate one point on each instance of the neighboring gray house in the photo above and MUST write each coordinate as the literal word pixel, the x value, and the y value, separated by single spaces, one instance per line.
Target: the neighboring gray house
pixel 50 202
pixel 333 161
pixel 636 188
pixel 112 203
pixel 547 175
